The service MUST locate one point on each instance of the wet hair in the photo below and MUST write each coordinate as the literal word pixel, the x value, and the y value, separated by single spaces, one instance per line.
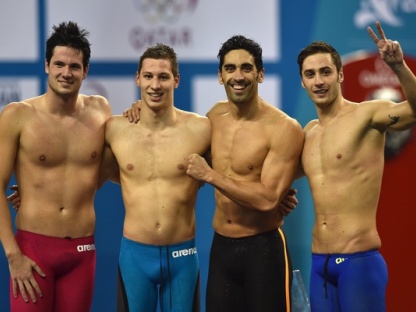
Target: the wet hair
pixel 68 34
pixel 238 42
pixel 161 52
pixel 319 47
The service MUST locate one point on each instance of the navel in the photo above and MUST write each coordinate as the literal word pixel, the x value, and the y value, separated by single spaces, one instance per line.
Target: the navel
pixel 339 156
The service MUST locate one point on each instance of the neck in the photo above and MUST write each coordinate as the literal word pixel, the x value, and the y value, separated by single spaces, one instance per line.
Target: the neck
pixel 245 110
pixel 330 111
pixel 158 119
pixel 62 104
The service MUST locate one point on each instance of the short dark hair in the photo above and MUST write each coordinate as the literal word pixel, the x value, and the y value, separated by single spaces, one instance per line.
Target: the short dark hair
pixel 319 47
pixel 238 42
pixel 68 34
pixel 161 51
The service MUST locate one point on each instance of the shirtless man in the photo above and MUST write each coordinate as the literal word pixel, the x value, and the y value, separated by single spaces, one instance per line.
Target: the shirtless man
pixel 256 150
pixel 158 244
pixel 343 161
pixel 53 143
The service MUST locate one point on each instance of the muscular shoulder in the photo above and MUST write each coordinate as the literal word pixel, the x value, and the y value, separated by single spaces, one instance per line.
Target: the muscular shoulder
pixel 219 108
pixel 284 129
pixel 279 119
pixel 115 128
pixel 116 122
pixel 310 125
pixel 195 122
pixel 97 102
pixel 191 116
pixel 16 112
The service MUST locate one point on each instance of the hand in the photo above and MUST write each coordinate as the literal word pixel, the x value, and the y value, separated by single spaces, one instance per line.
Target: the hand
pixel 390 51
pixel 133 113
pixel 289 203
pixel 21 272
pixel 14 198
pixel 197 167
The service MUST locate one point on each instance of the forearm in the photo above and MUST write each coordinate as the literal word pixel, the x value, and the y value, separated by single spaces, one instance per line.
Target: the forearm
pixel 109 168
pixel 115 178
pixel 7 238
pixel 300 173
pixel 408 83
pixel 253 195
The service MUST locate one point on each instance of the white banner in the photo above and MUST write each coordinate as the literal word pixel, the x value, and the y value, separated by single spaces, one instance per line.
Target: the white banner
pixel 15 90
pixel 19 30
pixel 122 30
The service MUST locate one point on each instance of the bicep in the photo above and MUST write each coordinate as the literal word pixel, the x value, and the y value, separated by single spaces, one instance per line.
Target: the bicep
pixel 282 162
pixel 390 115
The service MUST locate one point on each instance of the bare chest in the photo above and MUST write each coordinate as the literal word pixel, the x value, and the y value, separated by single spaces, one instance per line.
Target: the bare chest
pixel 54 142
pixel 241 150
pixel 340 147
pixel 149 155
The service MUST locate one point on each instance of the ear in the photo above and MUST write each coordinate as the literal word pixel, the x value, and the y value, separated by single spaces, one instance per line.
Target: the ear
pixel 261 76
pixel 302 84
pixel 137 79
pixel 177 80
pixel 46 67
pixel 85 72
pixel 341 76
pixel 220 78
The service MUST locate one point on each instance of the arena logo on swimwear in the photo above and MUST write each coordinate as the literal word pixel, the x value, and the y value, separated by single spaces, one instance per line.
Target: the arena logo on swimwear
pixel 385 11
pixel 184 252
pixel 87 247
pixel 340 260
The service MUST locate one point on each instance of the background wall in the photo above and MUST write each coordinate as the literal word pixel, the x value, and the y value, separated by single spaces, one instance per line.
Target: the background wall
pixel 121 30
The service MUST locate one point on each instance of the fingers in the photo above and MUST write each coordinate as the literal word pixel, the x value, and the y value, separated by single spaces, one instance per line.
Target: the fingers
pixel 14 198
pixel 372 34
pixel 24 288
pixel 24 282
pixel 135 115
pixel 292 192
pixel 14 188
pixel 380 31
pixel 14 287
pixel 128 114
pixel 34 284
pixel 22 291
pixel 132 114
pixel 29 289
pixel 38 270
